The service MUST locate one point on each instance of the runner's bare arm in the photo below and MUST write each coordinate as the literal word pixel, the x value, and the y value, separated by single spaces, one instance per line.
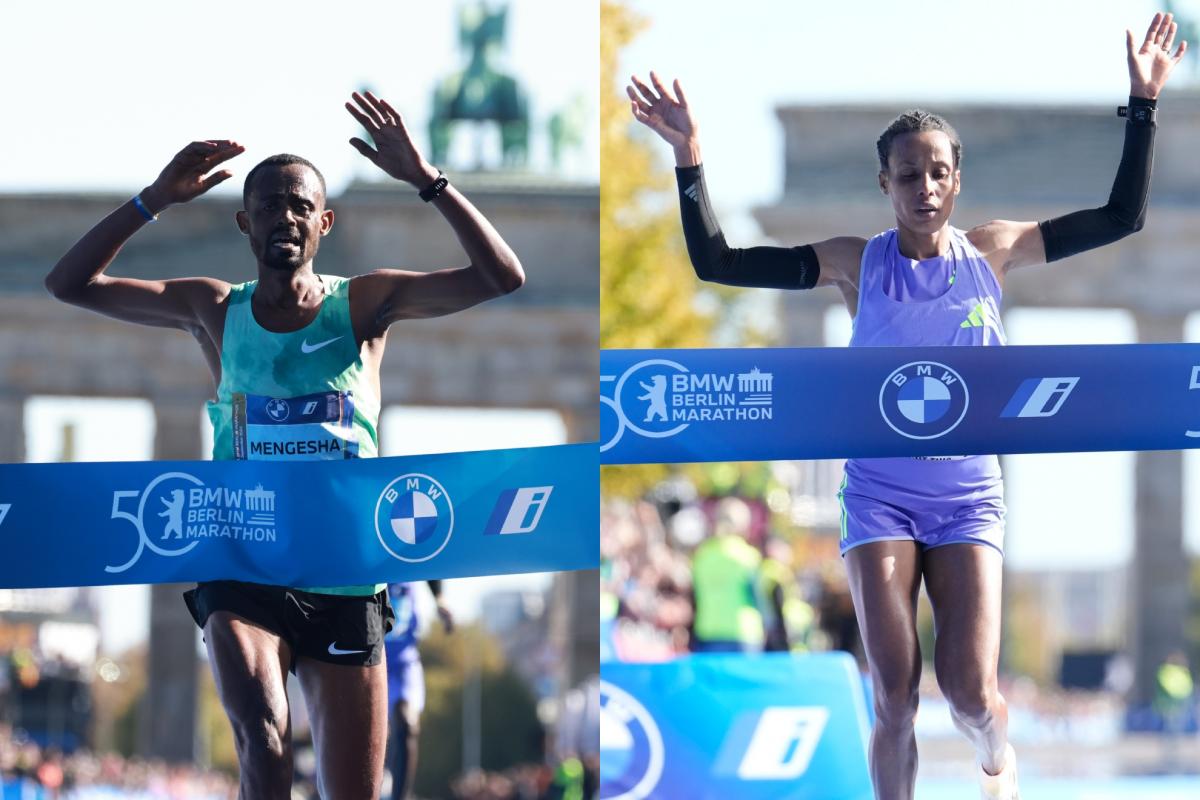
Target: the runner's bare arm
pixel 494 269
pixel 78 277
pixel 1008 245
pixel 833 262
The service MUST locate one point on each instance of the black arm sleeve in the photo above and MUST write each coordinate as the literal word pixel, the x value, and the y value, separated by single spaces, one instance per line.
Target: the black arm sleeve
pixel 714 260
pixel 1125 212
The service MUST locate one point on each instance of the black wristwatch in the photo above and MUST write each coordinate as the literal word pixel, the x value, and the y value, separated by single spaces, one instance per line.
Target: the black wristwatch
pixel 434 189
pixel 1141 110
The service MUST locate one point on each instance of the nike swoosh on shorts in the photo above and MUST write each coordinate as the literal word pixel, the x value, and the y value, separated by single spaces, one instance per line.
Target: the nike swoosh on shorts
pixel 334 650
pixel 305 347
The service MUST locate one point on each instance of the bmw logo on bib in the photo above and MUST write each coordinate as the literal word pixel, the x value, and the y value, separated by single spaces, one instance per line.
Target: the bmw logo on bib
pixel 923 400
pixel 414 517
pixel 631 747
pixel 277 409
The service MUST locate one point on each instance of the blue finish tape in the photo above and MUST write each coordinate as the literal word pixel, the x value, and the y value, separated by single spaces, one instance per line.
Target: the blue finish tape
pixel 332 523
pixel 671 406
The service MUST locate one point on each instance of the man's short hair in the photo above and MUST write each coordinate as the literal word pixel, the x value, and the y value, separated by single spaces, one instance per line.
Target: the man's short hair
pixel 279 160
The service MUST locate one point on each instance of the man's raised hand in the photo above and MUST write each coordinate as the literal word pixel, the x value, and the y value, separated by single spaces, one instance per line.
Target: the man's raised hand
pixel 394 151
pixel 186 177
pixel 1150 64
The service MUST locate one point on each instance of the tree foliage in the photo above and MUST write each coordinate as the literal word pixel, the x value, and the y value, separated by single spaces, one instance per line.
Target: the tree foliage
pixel 647 287
pixel 510 731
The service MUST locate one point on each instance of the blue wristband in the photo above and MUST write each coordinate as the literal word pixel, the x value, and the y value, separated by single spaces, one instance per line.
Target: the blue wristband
pixel 141 207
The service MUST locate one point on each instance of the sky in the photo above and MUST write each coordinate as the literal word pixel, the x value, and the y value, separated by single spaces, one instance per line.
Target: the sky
pixel 101 95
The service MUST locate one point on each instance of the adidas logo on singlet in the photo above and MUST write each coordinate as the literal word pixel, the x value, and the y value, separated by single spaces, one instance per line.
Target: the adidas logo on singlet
pixel 976 318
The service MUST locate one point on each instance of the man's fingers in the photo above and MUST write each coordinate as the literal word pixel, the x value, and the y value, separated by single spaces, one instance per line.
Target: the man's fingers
pixel 386 106
pixel 362 118
pixel 1170 40
pixel 394 117
pixel 215 178
pixel 385 111
pixel 1152 30
pixel 1179 53
pixel 224 152
pixel 365 149
pixel 368 109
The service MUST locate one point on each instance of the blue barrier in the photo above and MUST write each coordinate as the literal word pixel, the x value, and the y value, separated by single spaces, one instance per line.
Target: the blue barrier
pixel 315 523
pixel 670 406
pixel 720 726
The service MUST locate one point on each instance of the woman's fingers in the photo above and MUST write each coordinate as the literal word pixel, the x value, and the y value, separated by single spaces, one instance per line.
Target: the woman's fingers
pixel 658 87
pixel 679 94
pixel 645 90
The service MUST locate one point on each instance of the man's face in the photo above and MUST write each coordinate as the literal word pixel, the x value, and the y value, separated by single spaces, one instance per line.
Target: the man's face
pixel 285 216
pixel 921 180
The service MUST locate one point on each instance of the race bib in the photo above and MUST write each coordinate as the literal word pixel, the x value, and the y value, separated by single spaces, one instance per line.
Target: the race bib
pixel 315 427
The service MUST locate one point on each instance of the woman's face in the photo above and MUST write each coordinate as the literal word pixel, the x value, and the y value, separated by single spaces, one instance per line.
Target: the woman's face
pixel 921 180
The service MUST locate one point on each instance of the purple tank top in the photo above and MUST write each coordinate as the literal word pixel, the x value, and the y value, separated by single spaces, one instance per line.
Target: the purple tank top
pixel 950 300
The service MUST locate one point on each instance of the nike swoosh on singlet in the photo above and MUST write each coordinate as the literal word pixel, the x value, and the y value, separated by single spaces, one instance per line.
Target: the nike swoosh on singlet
pixel 334 650
pixel 305 347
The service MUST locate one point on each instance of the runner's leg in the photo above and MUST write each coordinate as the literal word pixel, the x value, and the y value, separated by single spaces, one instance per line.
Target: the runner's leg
pixel 250 665
pixel 963 582
pixel 347 706
pixel 884 579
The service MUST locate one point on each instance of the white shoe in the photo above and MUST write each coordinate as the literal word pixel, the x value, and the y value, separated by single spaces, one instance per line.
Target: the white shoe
pixel 1004 785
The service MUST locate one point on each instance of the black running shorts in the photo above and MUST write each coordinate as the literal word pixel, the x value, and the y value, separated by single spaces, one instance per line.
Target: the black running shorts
pixel 337 629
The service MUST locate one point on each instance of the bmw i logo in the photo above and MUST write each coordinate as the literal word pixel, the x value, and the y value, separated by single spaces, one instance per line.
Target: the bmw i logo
pixel 414 517
pixel 631 747
pixel 923 400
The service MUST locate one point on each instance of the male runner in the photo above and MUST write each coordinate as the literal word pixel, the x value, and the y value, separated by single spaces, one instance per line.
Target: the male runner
pixel 924 283
pixel 293 334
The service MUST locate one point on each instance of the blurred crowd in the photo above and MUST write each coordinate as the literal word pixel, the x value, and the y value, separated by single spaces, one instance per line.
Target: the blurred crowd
pixel 571 779
pixel 30 772
pixel 710 576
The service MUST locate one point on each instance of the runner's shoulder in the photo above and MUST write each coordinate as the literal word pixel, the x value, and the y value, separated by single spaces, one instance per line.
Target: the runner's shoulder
pixel 839 258
pixel 206 297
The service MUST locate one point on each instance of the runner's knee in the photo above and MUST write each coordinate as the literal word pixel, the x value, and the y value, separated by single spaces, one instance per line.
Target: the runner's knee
pixel 972 702
pixel 260 730
pixel 897 696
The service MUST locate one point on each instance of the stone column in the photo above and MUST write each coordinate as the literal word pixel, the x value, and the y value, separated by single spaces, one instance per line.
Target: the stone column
pixel 12 428
pixel 802 318
pixel 1159 579
pixel 581 420
pixel 575 625
pixel 168 729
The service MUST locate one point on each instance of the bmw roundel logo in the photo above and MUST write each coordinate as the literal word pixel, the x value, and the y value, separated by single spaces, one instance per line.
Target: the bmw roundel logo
pixel 414 517
pixel 278 409
pixel 923 400
pixel 631 747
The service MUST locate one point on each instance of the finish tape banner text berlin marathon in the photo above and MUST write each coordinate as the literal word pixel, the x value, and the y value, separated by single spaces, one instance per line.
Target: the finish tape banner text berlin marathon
pixel 676 406
pixel 719 726
pixel 313 523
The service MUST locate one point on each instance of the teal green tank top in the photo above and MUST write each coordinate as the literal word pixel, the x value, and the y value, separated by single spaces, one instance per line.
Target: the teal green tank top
pixel 303 395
